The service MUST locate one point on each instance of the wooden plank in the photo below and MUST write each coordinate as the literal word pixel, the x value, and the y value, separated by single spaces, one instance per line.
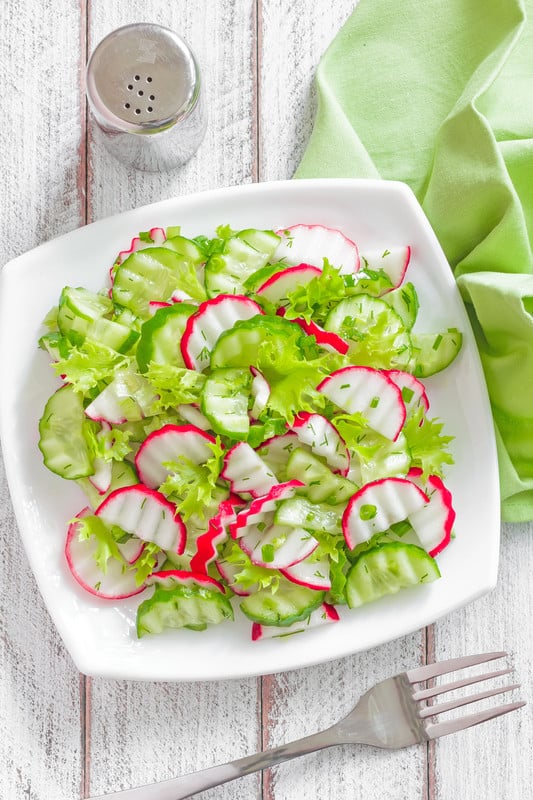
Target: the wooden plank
pixel 40 139
pixel 222 36
pixel 145 732
pixel 291 42
pixel 293 36
pixel 298 703
pixel 493 760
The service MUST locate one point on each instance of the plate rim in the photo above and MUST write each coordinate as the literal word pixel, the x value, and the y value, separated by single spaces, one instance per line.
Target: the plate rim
pixel 93 666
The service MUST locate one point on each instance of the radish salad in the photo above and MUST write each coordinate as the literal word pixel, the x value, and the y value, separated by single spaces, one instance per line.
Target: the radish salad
pixel 247 416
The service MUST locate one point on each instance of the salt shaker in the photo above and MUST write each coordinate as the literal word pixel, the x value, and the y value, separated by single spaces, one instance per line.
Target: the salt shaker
pixel 144 91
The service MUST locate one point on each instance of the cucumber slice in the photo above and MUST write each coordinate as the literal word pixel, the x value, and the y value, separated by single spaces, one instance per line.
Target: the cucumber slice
pixel 256 279
pixel 239 347
pixel 322 485
pixel 225 273
pixel 404 301
pixel 185 247
pixel 375 332
pixel 161 336
pixel 62 443
pixel 152 275
pixel 192 607
pixel 122 474
pixel 387 568
pixel 291 603
pixel 299 512
pixel 224 401
pixel 78 308
pixel 433 352
pixel 112 334
pixel 265 242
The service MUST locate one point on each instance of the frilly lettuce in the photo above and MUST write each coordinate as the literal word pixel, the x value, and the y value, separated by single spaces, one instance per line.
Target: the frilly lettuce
pixel 192 486
pixel 427 444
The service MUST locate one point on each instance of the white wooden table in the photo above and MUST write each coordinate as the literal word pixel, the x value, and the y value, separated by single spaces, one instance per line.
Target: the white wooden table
pixel 64 736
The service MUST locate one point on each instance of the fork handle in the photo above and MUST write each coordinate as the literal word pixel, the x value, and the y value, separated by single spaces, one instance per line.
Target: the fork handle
pixel 188 785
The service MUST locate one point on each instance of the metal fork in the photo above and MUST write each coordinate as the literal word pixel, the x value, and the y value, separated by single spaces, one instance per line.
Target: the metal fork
pixel 392 714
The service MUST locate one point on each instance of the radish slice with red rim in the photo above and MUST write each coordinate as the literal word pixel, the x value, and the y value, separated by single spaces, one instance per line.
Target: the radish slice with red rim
pixel 204 328
pixel 247 473
pixel 277 546
pixel 169 444
pixel 377 506
pixel 369 392
pixel 309 244
pixel 313 574
pixel 393 262
pixel 147 514
pixel 324 440
pixel 117 583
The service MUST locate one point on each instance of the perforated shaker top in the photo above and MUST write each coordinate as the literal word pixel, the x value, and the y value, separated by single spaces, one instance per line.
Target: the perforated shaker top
pixel 142 78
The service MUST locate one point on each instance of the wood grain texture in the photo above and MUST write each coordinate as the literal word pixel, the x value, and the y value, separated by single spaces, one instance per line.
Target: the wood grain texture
pixel 304 701
pixel 493 761
pixel 144 732
pixel 63 736
pixel 40 733
pixel 222 36
pixel 293 37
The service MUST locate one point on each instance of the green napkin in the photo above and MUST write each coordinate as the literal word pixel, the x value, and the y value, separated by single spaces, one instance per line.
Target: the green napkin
pixel 439 94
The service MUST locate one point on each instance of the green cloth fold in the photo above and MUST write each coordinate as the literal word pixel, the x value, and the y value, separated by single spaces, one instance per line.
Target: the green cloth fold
pixel 440 95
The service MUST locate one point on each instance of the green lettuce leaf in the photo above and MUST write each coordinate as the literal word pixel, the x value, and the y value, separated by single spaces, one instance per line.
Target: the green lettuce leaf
pixel 106 536
pixel 174 385
pixel 427 444
pixel 192 486
pixel 109 445
pixel 249 574
pixel 89 365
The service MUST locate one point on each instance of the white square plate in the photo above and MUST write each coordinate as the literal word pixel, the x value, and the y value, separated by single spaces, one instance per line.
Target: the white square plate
pixel 100 635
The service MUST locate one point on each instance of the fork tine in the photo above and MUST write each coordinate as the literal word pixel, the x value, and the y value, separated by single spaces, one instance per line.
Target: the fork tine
pixel 430 711
pixel 434 731
pixel 423 694
pixel 441 667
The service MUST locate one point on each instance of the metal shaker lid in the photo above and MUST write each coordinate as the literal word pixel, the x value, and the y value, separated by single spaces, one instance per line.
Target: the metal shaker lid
pixel 142 78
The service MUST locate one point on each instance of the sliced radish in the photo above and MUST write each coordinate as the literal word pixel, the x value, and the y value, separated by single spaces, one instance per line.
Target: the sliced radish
pixel 228 572
pixel 169 444
pixel 371 393
pixel 246 472
pixel 211 320
pixel 179 296
pixel 155 305
pixel 116 583
pixel 377 506
pixel 101 479
pixel 275 452
pixel 313 574
pixel 217 533
pixel 260 392
pixel 320 616
pixel 326 339
pixel 434 522
pixel 393 262
pixel 311 244
pixel 278 286
pixel 324 440
pixel 147 514
pixel 171 578
pixel 193 415
pixel 261 510
pixel 129 397
pixel 413 391
pixel 157 236
pixel 277 546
